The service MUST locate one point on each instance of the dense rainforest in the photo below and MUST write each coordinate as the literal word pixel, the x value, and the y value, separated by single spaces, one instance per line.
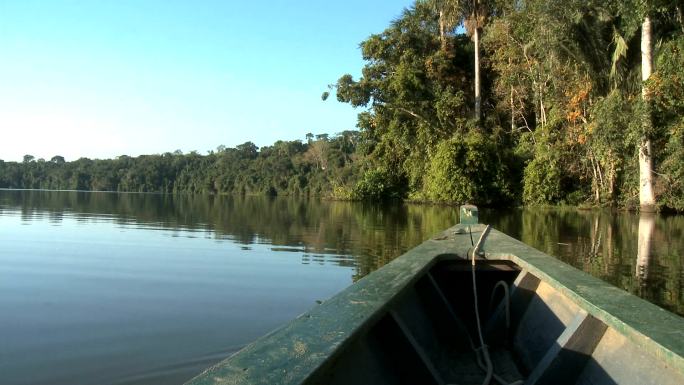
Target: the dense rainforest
pixel 285 168
pixel 491 102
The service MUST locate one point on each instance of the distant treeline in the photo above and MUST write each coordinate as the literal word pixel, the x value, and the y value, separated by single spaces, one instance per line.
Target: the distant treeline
pixel 285 168
pixel 489 102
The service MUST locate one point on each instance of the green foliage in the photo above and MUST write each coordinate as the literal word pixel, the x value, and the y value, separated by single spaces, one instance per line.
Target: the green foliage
pixel 611 141
pixel 542 180
pixel 342 193
pixel 409 87
pixel 57 159
pixel 667 85
pixel 467 170
pixel 672 183
pixel 285 168
pixel 377 185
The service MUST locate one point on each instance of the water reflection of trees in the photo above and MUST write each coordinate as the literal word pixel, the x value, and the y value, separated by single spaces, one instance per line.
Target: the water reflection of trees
pixel 342 233
pixel 606 244
pixel 602 243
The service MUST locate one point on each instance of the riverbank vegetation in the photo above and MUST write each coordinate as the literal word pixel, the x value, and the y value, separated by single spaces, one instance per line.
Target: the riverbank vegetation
pixel 490 102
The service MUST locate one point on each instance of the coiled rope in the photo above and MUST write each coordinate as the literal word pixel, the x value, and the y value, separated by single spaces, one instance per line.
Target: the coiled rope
pixel 488 366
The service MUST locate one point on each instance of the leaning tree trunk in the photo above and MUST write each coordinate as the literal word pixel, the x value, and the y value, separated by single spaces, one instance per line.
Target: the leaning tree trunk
pixel 646 194
pixel 478 99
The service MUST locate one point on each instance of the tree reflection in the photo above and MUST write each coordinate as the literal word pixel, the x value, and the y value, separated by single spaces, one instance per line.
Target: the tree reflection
pixel 365 237
pixel 646 228
pixel 604 244
pixel 347 234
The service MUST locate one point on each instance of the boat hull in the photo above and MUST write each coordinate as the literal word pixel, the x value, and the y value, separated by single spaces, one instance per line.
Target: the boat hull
pixel 413 322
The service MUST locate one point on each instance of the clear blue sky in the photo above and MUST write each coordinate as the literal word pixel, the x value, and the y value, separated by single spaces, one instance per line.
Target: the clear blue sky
pixel 100 79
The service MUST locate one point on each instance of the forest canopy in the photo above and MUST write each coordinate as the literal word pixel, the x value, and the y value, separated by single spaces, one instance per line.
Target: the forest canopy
pixel 285 168
pixel 489 102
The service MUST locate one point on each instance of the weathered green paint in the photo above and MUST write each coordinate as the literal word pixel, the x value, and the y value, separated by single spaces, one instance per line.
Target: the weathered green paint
pixel 292 353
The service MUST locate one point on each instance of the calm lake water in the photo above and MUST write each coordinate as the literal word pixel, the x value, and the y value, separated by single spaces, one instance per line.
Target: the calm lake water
pixel 107 288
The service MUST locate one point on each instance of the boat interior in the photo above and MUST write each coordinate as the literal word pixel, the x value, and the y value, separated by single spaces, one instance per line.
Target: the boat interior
pixel 513 329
